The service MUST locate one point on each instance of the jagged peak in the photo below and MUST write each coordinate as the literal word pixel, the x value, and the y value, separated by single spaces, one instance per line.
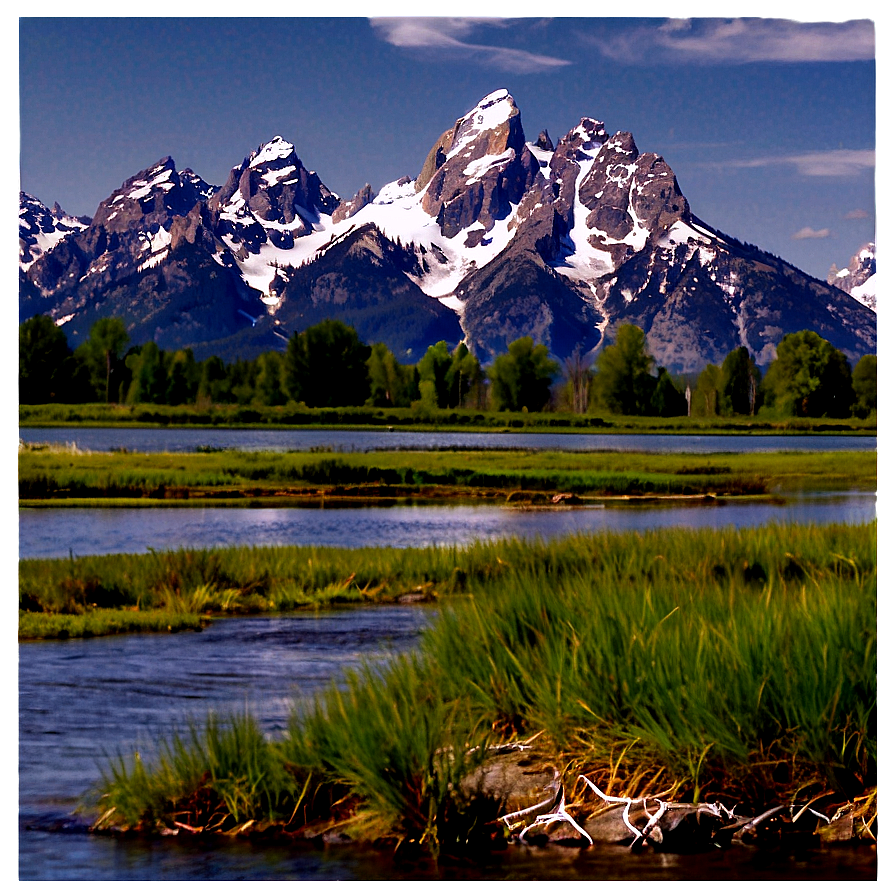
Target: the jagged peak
pixel 274 150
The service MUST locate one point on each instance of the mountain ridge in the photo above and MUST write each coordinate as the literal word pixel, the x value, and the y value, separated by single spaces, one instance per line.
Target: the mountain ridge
pixel 495 238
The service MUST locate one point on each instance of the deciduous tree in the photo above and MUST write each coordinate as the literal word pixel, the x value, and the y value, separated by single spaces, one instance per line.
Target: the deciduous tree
pixel 522 377
pixel 623 382
pixel 810 378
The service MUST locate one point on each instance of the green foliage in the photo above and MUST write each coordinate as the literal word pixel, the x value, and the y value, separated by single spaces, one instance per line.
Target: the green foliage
pixel 809 378
pixel 667 399
pixel 214 384
pixel 182 377
pixel 623 382
pixel 864 384
pixel 522 377
pixel 706 393
pixel 464 377
pixel 100 354
pixel 326 366
pixel 730 655
pixel 391 384
pixel 269 386
pixel 433 368
pixel 739 387
pixel 149 382
pixel 46 365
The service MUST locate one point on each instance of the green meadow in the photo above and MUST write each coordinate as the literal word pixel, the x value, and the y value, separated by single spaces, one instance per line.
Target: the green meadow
pixel 48 472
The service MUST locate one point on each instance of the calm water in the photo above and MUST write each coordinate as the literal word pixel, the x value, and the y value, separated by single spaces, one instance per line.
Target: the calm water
pixel 182 439
pixel 79 702
pixel 54 532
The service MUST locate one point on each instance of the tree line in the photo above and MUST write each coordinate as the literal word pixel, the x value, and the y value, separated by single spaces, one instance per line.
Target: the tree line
pixel 328 365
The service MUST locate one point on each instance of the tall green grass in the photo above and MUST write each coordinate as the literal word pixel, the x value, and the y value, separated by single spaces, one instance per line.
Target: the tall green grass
pixel 56 474
pixel 293 414
pixel 735 664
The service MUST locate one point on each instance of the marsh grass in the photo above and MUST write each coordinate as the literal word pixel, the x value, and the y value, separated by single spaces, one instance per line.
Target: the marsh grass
pixel 223 773
pixel 43 626
pixel 293 414
pixel 110 475
pixel 735 664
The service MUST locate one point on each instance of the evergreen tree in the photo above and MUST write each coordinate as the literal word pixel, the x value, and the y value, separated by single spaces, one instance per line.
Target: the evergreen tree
pixel 149 380
pixel 326 366
pixel 45 362
pixel 667 399
pixel 463 377
pixel 739 387
pixel 391 384
pixel 214 382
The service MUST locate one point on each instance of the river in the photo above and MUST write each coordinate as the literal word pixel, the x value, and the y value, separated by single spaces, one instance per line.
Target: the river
pixel 175 439
pixel 82 701
pixel 55 532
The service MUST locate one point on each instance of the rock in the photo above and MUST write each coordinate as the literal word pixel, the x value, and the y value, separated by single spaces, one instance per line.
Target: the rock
pixel 515 781
pixel 344 210
pixel 479 168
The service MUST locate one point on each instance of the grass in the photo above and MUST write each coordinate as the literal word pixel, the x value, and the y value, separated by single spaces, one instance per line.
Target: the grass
pixel 292 415
pixel 43 626
pixel 734 664
pixel 47 473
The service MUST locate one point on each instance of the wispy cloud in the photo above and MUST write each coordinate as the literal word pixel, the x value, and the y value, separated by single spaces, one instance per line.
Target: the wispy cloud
pixel 448 38
pixel 737 41
pixel 807 233
pixel 856 214
pixel 830 163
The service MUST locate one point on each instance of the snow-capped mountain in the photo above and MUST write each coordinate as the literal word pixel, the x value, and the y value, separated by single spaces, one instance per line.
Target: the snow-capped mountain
pixel 41 228
pixel 859 277
pixel 496 238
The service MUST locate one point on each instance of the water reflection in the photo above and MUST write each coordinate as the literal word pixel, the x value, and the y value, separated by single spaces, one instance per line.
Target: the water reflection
pixel 53 532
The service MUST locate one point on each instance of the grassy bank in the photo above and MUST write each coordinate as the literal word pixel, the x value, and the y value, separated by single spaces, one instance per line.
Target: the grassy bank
pixel 292 415
pixel 737 665
pixel 57 472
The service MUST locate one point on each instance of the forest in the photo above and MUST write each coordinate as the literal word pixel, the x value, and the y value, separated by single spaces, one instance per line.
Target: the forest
pixel 328 366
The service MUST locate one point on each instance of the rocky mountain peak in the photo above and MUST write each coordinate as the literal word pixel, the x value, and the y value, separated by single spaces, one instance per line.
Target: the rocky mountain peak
pixel 344 210
pixel 271 197
pixel 40 229
pixel 859 277
pixel 155 195
pixel 478 168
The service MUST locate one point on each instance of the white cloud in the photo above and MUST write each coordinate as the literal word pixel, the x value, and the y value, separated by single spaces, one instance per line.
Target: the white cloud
pixel 735 41
pixel 446 37
pixel 856 214
pixel 807 233
pixel 825 163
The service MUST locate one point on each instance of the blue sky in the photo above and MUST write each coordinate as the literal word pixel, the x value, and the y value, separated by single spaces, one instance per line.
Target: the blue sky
pixel 769 124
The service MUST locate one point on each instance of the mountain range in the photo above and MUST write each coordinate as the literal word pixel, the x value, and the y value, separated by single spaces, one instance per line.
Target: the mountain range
pixel 497 237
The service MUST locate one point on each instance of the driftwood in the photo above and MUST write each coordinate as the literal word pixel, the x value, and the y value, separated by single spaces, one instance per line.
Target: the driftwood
pixel 673 826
